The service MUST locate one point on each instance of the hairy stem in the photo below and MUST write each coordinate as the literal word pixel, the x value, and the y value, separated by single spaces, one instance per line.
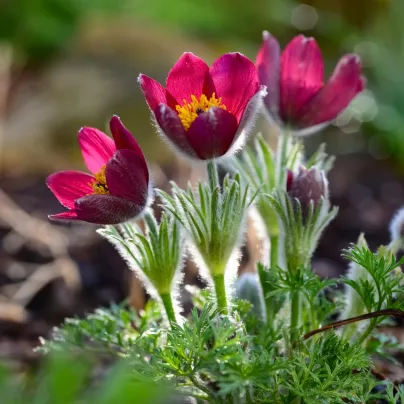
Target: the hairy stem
pixel 274 250
pixel 281 161
pixel 220 289
pixel 169 308
pixel 294 316
pixel 213 175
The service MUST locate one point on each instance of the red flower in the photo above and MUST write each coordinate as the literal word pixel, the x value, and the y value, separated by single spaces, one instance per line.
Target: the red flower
pixel 203 111
pixel 297 95
pixel 117 191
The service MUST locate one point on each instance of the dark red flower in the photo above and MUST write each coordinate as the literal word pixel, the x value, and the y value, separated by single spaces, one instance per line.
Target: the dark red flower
pixel 117 190
pixel 297 95
pixel 204 111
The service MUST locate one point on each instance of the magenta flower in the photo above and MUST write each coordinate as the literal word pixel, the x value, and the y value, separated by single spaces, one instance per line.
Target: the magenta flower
pixel 205 111
pixel 117 190
pixel 297 95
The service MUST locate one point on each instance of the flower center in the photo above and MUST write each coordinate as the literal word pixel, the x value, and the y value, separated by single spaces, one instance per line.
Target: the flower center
pixel 188 112
pixel 99 184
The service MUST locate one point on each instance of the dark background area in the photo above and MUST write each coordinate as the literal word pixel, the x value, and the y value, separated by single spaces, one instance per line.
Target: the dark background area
pixel 66 64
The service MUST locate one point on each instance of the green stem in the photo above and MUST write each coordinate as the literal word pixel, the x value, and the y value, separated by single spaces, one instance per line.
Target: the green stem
pixel 168 305
pixel 281 163
pixel 213 175
pixel 220 289
pixel 263 277
pixel 367 332
pixel 274 250
pixel 294 316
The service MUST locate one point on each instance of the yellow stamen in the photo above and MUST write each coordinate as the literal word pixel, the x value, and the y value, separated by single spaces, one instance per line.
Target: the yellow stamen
pixel 99 185
pixel 188 112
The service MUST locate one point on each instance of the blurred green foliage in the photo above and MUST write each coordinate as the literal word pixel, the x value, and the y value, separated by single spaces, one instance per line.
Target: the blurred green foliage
pixel 65 379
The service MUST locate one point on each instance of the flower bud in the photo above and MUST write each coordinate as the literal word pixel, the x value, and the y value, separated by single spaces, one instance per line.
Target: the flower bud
pixel 306 186
pixel 397 231
pixel 248 288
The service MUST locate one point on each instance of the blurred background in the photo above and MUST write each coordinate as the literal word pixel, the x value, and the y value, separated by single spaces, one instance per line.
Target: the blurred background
pixel 66 64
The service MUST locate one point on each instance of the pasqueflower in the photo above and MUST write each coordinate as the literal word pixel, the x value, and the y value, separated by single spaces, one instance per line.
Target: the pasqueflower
pixel 297 95
pixel 205 111
pixel 118 188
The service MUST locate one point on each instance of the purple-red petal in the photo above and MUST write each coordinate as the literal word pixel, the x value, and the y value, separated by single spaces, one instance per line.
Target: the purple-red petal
pixel 235 79
pixel 128 177
pixel 68 215
pixel 172 128
pixel 187 77
pixel 68 186
pixel 301 76
pixel 123 138
pixel 106 209
pixel 212 133
pixel 96 147
pixel 268 65
pixel 344 84
pixel 249 116
pixel 153 91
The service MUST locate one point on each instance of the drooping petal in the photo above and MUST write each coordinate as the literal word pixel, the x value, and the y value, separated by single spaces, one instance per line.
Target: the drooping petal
pixel 268 65
pixel 172 128
pixel 68 215
pixel 124 139
pixel 248 119
pixel 155 93
pixel 187 77
pixel 96 147
pixel 128 177
pixel 236 80
pixel 212 133
pixel 106 209
pixel 344 84
pixel 301 76
pixel 68 186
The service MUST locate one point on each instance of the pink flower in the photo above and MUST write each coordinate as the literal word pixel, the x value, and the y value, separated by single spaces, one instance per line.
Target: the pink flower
pixel 117 190
pixel 205 111
pixel 297 95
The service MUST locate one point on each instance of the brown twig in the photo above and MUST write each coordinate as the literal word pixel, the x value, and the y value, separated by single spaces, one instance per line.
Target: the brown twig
pixel 379 313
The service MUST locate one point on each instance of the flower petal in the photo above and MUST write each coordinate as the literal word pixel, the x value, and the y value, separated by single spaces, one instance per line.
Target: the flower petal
pixel 106 209
pixel 128 177
pixel 68 186
pixel 248 119
pixel 212 133
pixel 125 141
pixel 173 130
pixel 155 93
pixel 344 84
pixel 96 147
pixel 69 215
pixel 301 76
pixel 236 80
pixel 187 77
pixel 268 65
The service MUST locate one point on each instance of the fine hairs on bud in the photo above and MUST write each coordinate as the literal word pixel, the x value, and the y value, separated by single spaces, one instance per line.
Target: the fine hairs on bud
pixel 354 304
pixel 397 230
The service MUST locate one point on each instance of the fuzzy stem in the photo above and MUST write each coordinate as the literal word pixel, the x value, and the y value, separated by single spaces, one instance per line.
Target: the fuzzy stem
pixel 281 161
pixel 274 250
pixel 294 316
pixel 213 175
pixel 263 277
pixel 220 290
pixel 367 332
pixel 168 305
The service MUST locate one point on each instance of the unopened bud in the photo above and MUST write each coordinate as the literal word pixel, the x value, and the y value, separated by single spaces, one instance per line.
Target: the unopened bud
pixel 306 186
pixel 397 226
